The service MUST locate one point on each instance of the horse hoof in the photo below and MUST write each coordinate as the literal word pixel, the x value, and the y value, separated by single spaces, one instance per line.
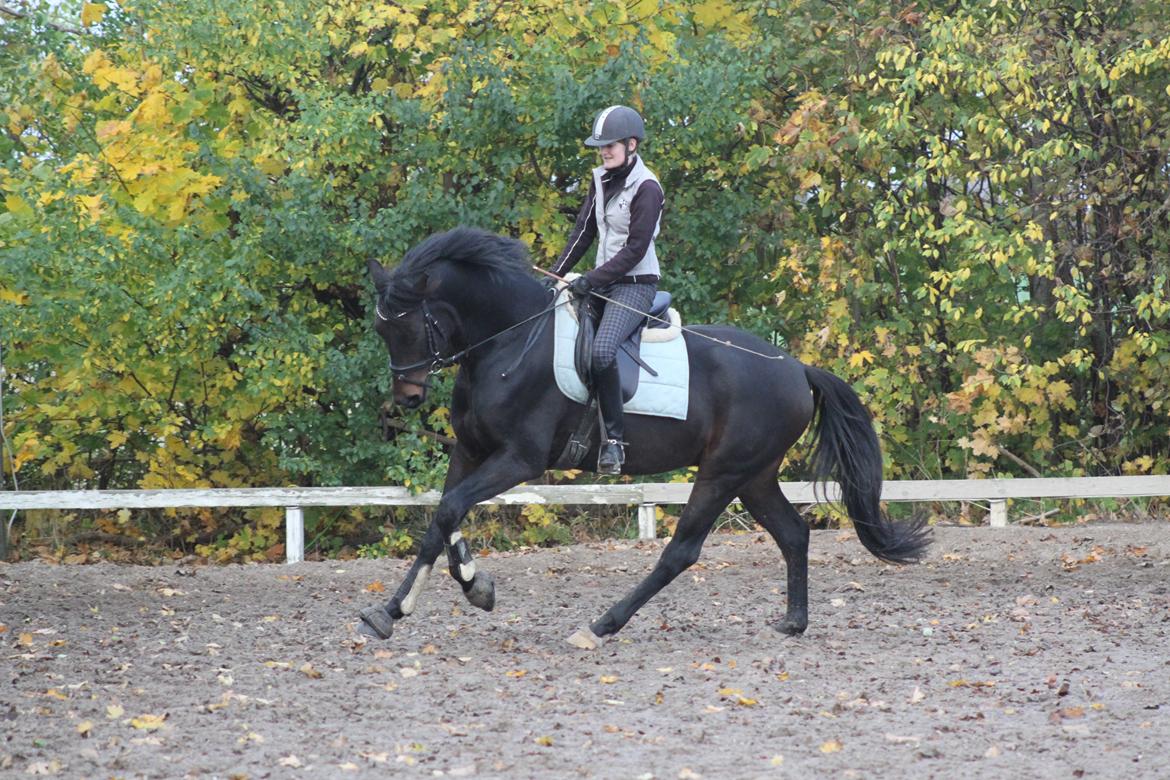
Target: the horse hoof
pixel 482 592
pixel 585 639
pixel 376 622
pixel 790 627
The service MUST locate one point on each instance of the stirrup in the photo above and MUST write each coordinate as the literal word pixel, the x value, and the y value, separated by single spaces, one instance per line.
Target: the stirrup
pixel 613 465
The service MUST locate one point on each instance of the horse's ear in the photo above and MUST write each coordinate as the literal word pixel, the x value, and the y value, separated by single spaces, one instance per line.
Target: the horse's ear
pixel 379 275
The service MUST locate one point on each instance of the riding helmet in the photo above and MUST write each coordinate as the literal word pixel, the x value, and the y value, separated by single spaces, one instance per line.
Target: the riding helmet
pixel 616 123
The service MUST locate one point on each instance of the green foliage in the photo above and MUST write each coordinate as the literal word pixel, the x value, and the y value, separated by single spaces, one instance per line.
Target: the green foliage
pixel 960 208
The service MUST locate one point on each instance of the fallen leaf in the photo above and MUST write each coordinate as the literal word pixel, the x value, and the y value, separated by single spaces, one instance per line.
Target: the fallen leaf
pixel 832 746
pixel 917 695
pixel 546 741
pixel 307 669
pixel 115 711
pixel 44 768
pixel 608 679
pixel 149 722
pixel 85 728
pixel 517 673
pixel 377 758
pixel 376 587
pixel 291 761
pixel 25 640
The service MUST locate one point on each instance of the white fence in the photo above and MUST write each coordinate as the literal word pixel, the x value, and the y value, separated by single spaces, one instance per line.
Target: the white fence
pixel 996 492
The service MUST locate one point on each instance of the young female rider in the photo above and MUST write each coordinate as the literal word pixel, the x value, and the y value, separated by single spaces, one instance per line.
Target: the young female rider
pixel 621 211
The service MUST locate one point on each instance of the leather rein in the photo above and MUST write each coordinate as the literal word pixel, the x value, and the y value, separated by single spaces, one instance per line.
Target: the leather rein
pixel 434 332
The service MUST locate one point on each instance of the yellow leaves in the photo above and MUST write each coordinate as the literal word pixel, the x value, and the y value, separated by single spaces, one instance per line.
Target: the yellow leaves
pixel 17 206
pixel 831 746
pixel 861 358
pixel 92 13
pixel 90 207
pixel 719 15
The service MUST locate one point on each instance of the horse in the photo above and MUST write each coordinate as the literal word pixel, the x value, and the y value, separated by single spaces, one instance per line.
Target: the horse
pixel 469 296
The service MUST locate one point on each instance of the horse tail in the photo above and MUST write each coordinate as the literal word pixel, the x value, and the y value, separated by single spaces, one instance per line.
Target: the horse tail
pixel 846 449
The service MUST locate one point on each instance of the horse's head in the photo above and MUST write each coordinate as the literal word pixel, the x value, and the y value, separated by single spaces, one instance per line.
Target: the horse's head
pixel 414 337
pixel 454 289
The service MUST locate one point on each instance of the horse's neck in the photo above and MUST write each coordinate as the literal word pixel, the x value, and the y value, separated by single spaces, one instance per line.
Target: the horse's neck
pixel 487 310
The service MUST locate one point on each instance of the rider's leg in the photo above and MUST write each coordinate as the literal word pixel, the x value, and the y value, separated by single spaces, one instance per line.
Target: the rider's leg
pixel 624 311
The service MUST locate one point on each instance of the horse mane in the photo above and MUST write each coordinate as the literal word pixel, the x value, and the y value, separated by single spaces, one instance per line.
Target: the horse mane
pixel 490 253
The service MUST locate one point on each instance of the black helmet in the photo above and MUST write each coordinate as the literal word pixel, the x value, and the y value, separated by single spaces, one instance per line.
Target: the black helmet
pixel 616 123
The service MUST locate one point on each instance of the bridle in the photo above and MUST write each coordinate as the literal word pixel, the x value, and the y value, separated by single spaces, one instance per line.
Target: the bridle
pixel 437 361
pixel 434 332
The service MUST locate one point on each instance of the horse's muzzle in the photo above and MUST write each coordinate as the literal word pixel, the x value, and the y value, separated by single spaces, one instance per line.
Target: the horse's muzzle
pixel 409 392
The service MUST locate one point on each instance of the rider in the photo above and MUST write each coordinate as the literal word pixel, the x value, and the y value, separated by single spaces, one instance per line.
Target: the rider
pixel 621 211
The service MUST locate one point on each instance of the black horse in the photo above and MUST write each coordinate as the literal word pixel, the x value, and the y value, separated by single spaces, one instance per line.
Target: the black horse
pixel 469 296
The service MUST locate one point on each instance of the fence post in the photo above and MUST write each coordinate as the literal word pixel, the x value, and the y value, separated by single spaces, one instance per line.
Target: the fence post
pixel 647 521
pixel 999 513
pixel 294 534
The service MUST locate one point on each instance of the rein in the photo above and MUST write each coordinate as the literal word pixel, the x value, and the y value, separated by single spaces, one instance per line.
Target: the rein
pixel 668 323
pixel 437 361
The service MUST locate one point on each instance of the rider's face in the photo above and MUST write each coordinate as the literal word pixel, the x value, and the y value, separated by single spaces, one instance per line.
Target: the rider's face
pixel 614 155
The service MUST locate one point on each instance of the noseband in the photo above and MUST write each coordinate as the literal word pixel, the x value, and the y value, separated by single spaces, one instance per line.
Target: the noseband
pixel 436 362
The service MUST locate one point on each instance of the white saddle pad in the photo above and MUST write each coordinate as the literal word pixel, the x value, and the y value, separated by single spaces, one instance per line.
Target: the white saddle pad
pixel 663 349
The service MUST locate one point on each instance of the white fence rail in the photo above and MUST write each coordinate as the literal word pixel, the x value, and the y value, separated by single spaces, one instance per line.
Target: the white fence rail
pixel 645 496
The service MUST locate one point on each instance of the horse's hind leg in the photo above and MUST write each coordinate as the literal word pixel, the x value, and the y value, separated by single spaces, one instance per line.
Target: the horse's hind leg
pixel 708 499
pixel 763 499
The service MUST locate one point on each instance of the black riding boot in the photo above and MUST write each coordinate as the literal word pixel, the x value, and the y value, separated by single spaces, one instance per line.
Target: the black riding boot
pixel 612 454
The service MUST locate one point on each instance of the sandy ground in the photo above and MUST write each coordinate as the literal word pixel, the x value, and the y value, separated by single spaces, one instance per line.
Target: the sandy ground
pixel 1019 652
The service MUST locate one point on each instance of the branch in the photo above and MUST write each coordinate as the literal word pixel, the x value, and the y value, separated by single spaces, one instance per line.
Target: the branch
pixel 15 14
pixel 1019 462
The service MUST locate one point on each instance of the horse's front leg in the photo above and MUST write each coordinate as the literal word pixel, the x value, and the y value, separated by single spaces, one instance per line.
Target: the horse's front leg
pixel 469 485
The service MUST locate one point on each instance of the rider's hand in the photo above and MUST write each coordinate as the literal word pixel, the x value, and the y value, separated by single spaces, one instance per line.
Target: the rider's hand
pixel 581 286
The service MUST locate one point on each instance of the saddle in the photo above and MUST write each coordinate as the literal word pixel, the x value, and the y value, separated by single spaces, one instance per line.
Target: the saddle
pixel 628 358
